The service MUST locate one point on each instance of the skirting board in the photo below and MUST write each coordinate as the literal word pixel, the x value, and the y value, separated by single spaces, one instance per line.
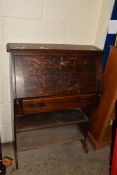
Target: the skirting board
pixel 95 144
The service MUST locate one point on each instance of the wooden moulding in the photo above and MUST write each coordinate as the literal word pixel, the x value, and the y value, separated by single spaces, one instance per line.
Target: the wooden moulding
pixel 103 114
pixel 98 144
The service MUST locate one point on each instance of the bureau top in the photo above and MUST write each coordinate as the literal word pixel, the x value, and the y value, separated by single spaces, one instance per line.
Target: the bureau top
pixel 29 46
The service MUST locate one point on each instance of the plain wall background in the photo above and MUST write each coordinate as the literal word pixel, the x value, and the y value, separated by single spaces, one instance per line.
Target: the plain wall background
pixel 46 21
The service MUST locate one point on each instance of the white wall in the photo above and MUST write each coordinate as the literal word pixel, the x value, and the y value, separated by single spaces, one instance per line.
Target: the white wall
pixel 45 21
pixel 103 23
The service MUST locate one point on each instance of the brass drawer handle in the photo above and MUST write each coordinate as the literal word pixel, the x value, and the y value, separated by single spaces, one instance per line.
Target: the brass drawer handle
pixel 63 63
pixel 36 105
pixel 82 101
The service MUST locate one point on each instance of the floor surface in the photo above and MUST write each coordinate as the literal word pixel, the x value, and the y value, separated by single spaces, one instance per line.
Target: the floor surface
pixel 65 158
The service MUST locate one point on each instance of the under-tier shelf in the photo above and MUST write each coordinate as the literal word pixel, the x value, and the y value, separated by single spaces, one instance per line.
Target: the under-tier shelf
pixel 50 119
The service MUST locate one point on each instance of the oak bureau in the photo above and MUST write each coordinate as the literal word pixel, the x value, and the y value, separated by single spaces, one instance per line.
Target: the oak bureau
pixel 52 77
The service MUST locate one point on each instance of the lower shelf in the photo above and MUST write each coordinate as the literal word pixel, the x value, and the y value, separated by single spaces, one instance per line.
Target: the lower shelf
pixel 50 119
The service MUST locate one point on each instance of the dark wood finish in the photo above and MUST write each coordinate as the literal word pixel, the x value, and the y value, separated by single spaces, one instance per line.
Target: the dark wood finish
pixel 37 105
pixel 47 72
pixel 29 46
pixel 49 119
pixel 52 77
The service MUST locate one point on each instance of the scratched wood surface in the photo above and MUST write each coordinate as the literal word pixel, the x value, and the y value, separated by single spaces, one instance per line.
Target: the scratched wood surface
pixel 56 71
pixel 54 75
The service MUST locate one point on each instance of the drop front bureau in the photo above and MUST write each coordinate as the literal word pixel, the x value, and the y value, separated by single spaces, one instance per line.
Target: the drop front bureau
pixel 52 77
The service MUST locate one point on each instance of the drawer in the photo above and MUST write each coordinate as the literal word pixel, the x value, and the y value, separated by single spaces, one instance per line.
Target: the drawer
pixel 36 105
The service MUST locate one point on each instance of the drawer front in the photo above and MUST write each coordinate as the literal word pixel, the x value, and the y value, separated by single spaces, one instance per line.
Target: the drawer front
pixel 58 103
pixel 52 75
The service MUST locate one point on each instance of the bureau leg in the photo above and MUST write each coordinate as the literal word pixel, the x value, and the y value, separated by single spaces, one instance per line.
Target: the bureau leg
pixel 15 154
pixel 15 138
pixel 84 144
pixel 84 130
pixel 15 150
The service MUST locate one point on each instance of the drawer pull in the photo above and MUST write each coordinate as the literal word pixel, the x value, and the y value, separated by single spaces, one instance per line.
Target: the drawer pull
pixel 64 63
pixel 82 101
pixel 36 105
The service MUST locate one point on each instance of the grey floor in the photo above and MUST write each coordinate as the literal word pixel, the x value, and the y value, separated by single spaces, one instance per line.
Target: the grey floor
pixel 60 159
